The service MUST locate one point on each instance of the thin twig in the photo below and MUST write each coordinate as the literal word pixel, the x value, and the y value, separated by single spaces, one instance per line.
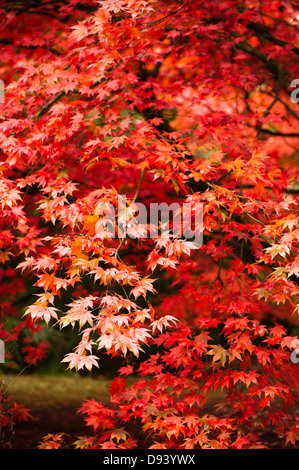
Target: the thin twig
pixel 171 14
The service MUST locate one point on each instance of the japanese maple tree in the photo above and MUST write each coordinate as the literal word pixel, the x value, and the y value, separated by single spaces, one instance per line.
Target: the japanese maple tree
pixel 113 103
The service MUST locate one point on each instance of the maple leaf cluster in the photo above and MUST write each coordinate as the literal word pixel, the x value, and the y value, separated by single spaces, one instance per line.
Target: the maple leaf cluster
pixel 163 102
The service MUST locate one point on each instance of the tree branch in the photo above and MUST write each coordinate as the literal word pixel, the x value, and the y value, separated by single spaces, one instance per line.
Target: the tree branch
pixel 49 105
pixel 260 29
pixel 272 65
pixel 279 134
pixel 9 42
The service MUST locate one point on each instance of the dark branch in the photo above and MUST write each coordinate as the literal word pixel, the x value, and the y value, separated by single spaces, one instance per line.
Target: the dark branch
pixel 9 42
pixel 261 30
pixel 279 134
pixel 272 65
pixel 49 105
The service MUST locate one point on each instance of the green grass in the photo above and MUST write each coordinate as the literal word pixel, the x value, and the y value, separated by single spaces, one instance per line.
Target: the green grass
pixel 39 391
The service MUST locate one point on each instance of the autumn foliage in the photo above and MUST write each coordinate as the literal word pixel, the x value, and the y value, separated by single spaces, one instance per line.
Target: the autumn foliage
pixel 161 101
